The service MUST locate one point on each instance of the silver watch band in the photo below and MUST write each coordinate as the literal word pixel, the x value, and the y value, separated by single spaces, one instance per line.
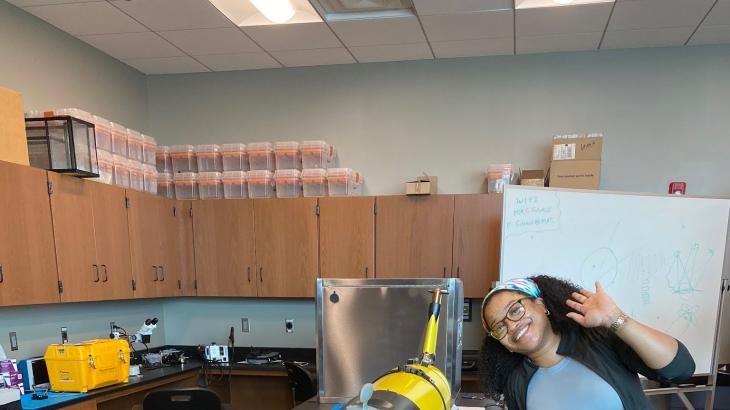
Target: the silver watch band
pixel 619 322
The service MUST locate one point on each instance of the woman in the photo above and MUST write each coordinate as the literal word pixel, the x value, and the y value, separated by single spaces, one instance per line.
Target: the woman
pixel 551 345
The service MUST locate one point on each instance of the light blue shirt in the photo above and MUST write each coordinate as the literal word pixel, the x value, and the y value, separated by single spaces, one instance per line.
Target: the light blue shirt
pixel 569 385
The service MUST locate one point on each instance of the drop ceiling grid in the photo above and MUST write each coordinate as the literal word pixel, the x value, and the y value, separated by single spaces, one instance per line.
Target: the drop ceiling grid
pixel 437 29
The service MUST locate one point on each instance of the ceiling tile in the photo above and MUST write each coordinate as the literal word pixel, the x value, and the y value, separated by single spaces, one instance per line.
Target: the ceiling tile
pixel 720 14
pixel 133 45
pixel 167 65
pixel 87 18
pixel 711 35
pixel 164 15
pixel 663 37
pixel 392 52
pixel 240 61
pixel 559 43
pixel 372 32
pixel 588 18
pixel 471 48
pixel 211 41
pixel 488 24
pixel 648 14
pixel 26 3
pixel 322 56
pixel 304 36
pixel 428 7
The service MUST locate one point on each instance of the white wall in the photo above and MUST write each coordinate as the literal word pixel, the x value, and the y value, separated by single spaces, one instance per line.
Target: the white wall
pixel 53 69
pixel 664 113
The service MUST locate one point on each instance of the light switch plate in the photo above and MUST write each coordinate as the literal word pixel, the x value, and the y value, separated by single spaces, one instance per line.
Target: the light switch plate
pixel 245 325
pixel 13 341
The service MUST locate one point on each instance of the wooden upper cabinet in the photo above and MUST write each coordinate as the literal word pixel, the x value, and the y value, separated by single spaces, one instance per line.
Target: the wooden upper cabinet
pixel 28 272
pixel 477 235
pixel 286 239
pixel 111 231
pixel 224 247
pixel 153 243
pixel 92 239
pixel 347 237
pixel 73 225
pixel 185 249
pixel 414 236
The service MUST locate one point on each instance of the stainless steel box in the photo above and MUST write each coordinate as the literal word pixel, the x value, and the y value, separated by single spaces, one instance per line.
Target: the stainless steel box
pixel 366 327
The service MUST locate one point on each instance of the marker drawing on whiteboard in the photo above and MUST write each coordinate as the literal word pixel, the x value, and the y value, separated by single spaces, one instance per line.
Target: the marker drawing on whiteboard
pixel 686 316
pixel 601 265
pixel 683 272
pixel 532 214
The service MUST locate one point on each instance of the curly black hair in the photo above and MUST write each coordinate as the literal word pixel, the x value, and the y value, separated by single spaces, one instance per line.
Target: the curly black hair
pixel 496 362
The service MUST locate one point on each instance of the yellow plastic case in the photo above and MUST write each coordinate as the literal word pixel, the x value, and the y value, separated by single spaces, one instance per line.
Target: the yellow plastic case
pixel 88 365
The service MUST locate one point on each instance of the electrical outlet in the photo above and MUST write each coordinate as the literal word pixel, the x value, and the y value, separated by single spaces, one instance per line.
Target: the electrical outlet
pixel 13 341
pixel 244 325
pixel 289 325
pixel 64 335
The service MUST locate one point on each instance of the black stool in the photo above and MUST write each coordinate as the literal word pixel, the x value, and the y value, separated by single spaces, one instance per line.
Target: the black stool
pixel 302 383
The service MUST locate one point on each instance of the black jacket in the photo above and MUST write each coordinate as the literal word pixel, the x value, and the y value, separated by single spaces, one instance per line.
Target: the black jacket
pixel 609 357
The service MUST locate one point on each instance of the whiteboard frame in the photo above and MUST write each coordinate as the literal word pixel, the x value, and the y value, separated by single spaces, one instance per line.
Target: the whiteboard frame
pixel 680 391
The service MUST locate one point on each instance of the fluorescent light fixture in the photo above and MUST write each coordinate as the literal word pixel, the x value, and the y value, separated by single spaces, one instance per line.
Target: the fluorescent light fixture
pixel 267 12
pixel 339 10
pixel 277 11
pixel 533 4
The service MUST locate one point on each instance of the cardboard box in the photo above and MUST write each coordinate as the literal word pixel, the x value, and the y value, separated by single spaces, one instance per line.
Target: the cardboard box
pixel 576 174
pixel 13 143
pixel 579 147
pixel 532 177
pixel 424 185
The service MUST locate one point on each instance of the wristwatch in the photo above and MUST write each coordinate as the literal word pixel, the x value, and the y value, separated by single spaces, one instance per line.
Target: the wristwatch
pixel 619 322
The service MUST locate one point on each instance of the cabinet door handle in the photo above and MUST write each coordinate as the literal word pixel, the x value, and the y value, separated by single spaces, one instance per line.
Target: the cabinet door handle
pixel 366 272
pixel 2 274
pixel 106 273
pixel 261 274
pixel 96 272
pixel 162 271
pixel 249 274
pixel 444 271
pixel 458 271
pixel 157 276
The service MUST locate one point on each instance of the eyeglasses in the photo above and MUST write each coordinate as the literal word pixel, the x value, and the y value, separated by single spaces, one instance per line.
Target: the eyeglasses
pixel 515 312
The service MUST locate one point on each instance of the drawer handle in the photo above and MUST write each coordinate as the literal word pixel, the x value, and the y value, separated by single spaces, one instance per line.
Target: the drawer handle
pixel 249 274
pixel 366 272
pixel 162 272
pixel 106 273
pixel 444 271
pixel 96 271
pixel 2 274
pixel 458 271
pixel 261 274
pixel 157 276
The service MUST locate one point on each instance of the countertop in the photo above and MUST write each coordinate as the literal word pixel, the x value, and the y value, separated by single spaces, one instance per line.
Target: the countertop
pixel 464 400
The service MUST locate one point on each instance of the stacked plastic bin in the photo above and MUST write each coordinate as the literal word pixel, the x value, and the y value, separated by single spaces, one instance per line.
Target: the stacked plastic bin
pixel 235 165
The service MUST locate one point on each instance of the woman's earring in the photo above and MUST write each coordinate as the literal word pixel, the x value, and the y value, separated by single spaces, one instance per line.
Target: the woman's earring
pixel 547 312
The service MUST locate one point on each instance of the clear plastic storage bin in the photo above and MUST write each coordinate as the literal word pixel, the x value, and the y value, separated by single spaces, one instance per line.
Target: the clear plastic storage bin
pixel 163 159
pixel 106 166
pixel 150 178
pixel 183 158
pixel 235 157
pixel 317 154
pixel 165 185
pixel 210 185
pixel 136 175
pixel 260 184
pixel 119 139
pixel 186 185
pixel 149 150
pixel 134 145
pixel 343 181
pixel 103 134
pixel 498 175
pixel 209 158
pixel 288 183
pixel 261 156
pixel 287 155
pixel 234 185
pixel 121 171
pixel 314 182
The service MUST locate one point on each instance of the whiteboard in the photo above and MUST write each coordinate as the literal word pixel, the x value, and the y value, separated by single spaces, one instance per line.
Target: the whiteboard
pixel 659 257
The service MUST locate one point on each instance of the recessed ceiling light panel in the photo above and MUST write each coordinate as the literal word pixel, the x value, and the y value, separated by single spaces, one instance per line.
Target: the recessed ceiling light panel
pixel 337 10
pixel 245 13
pixel 533 4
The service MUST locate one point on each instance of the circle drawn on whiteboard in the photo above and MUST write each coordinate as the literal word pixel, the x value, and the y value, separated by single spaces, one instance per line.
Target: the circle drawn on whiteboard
pixel 601 265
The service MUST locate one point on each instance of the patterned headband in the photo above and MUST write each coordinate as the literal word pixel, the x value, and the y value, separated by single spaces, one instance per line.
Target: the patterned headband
pixel 526 286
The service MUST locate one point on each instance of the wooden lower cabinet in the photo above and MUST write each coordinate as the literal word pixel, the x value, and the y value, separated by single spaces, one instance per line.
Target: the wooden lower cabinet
pixel 261 392
pixel 133 397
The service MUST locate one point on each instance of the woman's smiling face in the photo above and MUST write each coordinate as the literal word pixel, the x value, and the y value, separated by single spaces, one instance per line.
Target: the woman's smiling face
pixel 527 332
